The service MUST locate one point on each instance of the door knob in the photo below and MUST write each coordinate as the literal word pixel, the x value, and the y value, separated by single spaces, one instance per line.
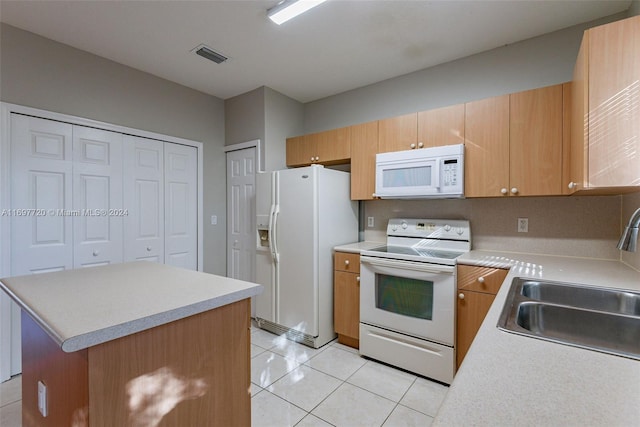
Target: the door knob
pixel 461 295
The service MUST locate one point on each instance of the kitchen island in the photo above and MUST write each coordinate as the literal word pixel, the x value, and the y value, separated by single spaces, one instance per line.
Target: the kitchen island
pixel 509 379
pixel 134 344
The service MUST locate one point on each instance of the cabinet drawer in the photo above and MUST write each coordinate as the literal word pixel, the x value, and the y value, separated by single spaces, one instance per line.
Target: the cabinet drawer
pixel 345 261
pixel 480 279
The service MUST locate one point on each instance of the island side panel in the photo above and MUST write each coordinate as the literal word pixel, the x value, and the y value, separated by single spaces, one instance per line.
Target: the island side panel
pixel 194 371
pixel 64 374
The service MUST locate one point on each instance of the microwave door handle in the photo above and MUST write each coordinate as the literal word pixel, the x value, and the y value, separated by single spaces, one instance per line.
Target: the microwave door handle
pixel 436 173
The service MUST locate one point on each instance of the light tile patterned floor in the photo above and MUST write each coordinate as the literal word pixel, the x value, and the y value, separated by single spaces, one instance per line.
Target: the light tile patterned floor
pixel 295 385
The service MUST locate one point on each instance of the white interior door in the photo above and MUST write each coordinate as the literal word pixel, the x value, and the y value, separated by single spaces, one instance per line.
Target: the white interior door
pixel 41 232
pixel 241 214
pixel 181 201
pixel 143 199
pixel 97 197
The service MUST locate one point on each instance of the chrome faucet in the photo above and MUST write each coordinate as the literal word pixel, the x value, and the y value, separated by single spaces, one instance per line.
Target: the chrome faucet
pixel 629 239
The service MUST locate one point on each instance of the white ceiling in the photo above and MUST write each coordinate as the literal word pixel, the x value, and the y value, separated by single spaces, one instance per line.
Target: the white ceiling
pixel 338 46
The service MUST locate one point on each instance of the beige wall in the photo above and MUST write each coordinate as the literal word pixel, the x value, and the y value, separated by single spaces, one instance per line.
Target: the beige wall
pixel 40 73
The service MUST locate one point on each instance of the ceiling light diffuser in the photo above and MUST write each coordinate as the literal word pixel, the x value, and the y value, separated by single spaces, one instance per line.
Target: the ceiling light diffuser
pixel 288 9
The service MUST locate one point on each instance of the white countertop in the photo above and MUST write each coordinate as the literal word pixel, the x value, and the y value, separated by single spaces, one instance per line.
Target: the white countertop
pixel 508 379
pixel 358 247
pixel 85 307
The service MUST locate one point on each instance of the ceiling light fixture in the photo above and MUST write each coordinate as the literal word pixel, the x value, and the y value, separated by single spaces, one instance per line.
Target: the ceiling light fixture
pixel 288 9
pixel 210 54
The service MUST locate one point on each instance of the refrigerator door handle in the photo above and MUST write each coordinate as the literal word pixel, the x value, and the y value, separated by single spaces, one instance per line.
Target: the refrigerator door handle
pixel 273 230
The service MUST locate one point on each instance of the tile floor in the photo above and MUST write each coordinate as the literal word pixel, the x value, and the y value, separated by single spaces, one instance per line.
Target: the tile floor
pixel 294 385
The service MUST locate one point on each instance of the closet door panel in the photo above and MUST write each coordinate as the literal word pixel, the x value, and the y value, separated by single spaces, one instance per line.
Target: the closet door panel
pixel 97 197
pixel 144 199
pixel 41 170
pixel 181 205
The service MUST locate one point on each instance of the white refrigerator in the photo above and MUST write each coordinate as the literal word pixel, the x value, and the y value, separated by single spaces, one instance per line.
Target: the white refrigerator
pixel 302 214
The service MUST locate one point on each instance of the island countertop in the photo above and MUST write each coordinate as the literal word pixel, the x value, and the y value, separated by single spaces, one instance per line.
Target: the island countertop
pixel 82 308
pixel 509 379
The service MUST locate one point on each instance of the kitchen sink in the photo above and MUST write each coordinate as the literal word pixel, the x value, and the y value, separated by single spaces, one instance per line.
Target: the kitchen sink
pixel 594 318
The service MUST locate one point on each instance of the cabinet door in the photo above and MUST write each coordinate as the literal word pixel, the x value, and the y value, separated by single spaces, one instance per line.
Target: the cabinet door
pixel 144 199
pixel 364 146
pixel 614 99
pixel 486 161
pixel 578 152
pixel 181 205
pixel 347 303
pixel 535 142
pixel 98 196
pixel 300 151
pixel 332 146
pixel 472 309
pixel 441 126
pixel 398 133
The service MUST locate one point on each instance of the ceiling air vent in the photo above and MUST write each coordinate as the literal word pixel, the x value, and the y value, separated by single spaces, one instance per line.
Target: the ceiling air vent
pixel 210 54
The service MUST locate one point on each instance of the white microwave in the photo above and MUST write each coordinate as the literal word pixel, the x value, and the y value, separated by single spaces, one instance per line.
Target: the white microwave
pixel 435 172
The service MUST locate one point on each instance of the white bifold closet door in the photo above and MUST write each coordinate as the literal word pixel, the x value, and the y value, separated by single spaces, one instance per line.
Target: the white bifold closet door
pixel 144 199
pixel 97 197
pixel 181 205
pixel 41 182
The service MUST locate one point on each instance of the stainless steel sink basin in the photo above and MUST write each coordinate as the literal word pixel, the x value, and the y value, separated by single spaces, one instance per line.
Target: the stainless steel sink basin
pixel 603 299
pixel 595 318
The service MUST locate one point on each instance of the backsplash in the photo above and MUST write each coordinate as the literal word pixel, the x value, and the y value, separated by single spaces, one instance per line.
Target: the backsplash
pixel 580 226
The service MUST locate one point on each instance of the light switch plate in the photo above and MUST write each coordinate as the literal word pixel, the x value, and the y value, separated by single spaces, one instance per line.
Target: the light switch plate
pixel 370 221
pixel 42 398
pixel 523 225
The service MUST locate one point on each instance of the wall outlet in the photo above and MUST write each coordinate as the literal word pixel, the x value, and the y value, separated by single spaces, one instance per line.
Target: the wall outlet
pixel 214 219
pixel 523 225
pixel 370 221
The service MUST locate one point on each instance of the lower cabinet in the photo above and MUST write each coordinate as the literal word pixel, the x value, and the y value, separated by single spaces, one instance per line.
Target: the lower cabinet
pixel 477 288
pixel 346 298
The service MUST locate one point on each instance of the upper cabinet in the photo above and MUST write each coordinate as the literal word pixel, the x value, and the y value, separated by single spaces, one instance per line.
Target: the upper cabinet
pixel 398 133
pixel 514 144
pixel 486 165
pixel 535 142
pixel 441 126
pixel 605 136
pixel 364 146
pixel 327 148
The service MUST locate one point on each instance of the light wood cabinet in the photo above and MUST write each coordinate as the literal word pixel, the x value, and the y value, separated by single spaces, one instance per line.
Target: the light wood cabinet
pixel 486 162
pixel 605 134
pixel 326 148
pixel 346 298
pixel 514 144
pixel 477 288
pixel 398 133
pixel 364 146
pixel 441 126
pixel 535 142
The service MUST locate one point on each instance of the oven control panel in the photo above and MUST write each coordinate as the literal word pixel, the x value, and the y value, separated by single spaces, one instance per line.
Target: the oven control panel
pixel 446 229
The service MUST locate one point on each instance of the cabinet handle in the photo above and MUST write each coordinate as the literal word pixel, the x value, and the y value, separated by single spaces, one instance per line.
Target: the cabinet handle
pixel 481 279
pixel 96 253
pixel 504 191
pixel 358 279
pixel 413 146
pixel 312 158
pixel 317 158
pixel 148 248
pixel 572 185
pixel 420 145
pixel 514 190
pixel 460 295
pixel 346 262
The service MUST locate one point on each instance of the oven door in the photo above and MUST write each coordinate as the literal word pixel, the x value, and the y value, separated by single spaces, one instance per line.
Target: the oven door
pixel 412 298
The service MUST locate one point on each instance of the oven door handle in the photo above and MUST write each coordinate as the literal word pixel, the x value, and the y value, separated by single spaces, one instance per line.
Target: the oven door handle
pixel 418 266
